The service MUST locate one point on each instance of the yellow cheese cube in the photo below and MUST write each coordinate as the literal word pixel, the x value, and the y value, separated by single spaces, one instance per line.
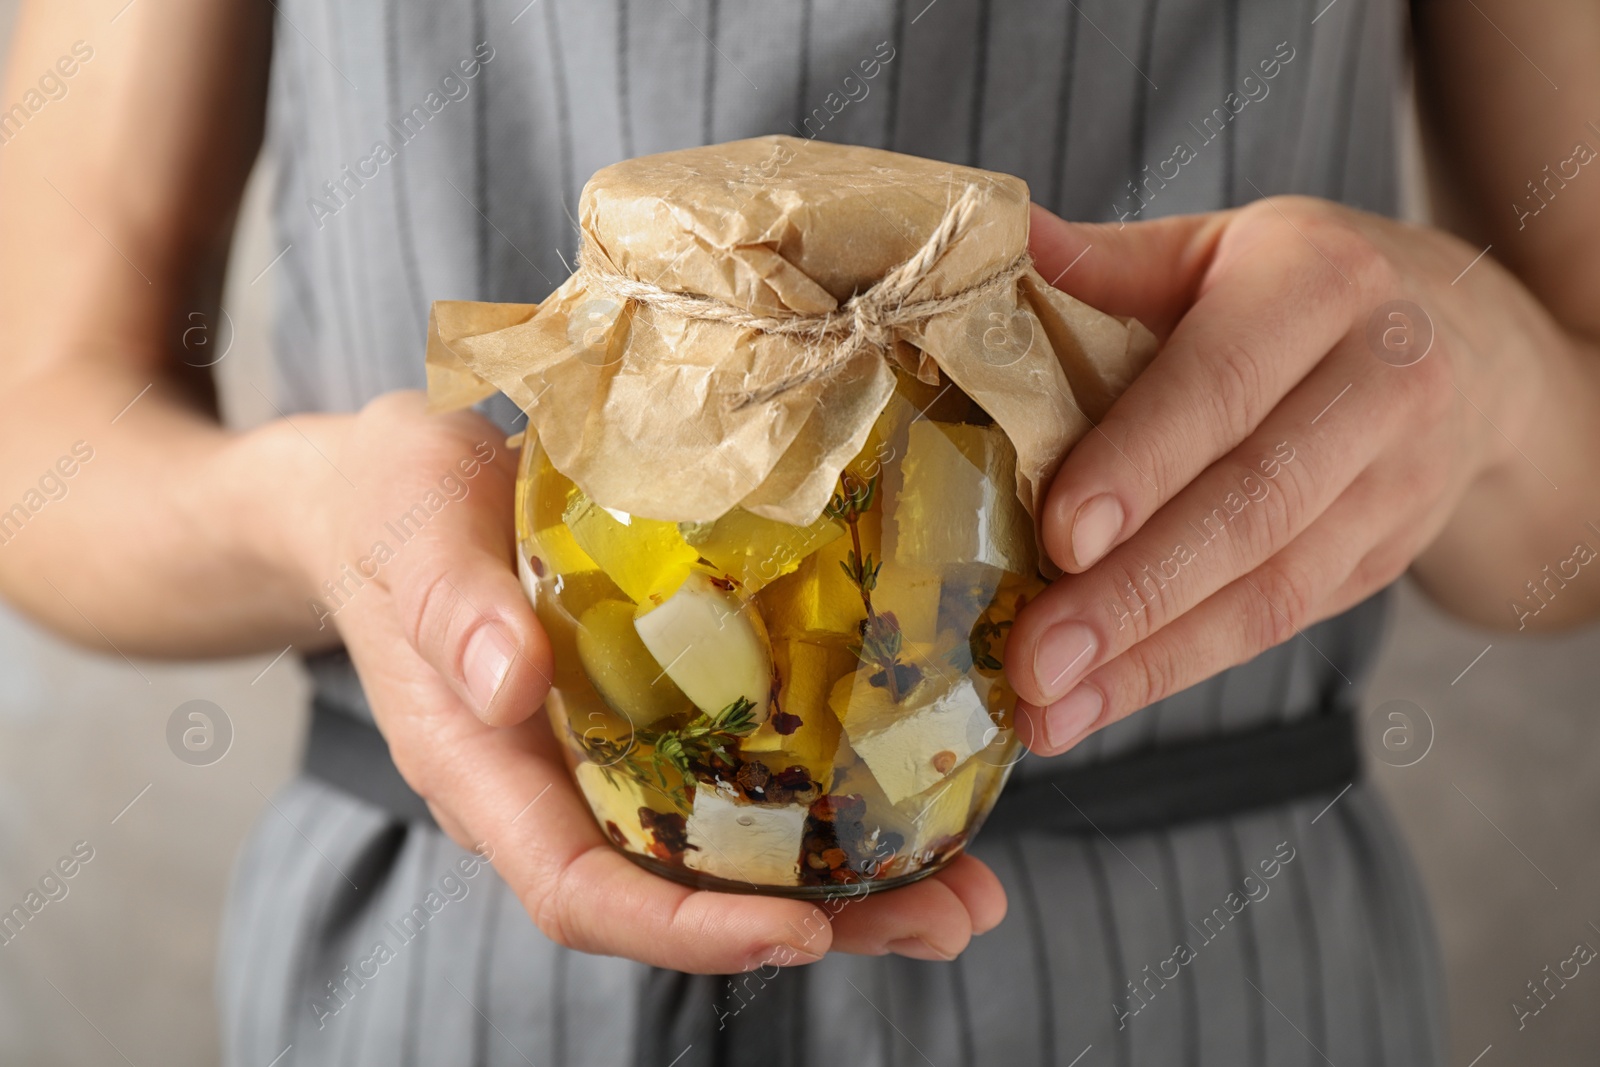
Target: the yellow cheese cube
pixel 615 799
pixel 806 673
pixel 819 602
pixel 646 557
pixel 942 811
pixel 754 551
pixel 560 600
pixel 919 825
pixel 911 594
pixel 623 671
pixel 958 502
pixel 543 499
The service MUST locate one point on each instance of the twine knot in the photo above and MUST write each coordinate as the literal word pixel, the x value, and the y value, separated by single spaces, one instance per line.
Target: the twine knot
pixel 870 320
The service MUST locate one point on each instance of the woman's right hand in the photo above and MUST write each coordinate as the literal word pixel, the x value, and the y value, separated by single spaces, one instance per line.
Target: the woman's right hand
pixel 412 527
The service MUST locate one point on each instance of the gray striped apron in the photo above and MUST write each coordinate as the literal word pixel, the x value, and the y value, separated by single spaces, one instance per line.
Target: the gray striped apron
pixel 431 151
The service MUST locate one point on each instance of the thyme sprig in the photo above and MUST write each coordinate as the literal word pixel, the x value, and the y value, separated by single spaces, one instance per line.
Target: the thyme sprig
pixel 881 640
pixel 652 753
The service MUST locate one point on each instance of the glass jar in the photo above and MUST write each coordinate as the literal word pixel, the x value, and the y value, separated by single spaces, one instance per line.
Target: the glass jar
pixel 804 711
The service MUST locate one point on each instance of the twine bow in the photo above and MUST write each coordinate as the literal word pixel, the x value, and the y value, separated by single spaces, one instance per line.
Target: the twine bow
pixel 870 320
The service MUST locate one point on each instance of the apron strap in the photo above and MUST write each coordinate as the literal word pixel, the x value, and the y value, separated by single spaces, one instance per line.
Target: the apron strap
pixel 1204 779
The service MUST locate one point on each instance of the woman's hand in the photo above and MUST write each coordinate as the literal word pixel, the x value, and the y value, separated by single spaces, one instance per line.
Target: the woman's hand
pixel 1334 392
pixel 417 544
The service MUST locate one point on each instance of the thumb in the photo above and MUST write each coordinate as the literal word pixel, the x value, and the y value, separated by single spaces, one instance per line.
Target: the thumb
pixel 461 605
pixel 1151 271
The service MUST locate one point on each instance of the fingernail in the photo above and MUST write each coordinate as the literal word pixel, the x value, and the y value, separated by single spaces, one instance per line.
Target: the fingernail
pixel 783 956
pixel 1072 715
pixel 917 949
pixel 1095 528
pixel 1065 653
pixel 487 662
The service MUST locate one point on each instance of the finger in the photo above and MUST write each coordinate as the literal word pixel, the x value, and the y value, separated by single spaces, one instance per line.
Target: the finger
pixel 1381 566
pixel 509 792
pixel 925 920
pixel 452 579
pixel 466 614
pixel 1147 270
pixel 932 919
pixel 1234 517
pixel 1307 582
pixel 979 890
pixel 1268 308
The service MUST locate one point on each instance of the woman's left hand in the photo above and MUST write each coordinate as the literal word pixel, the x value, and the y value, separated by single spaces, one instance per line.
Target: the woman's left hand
pixel 1331 388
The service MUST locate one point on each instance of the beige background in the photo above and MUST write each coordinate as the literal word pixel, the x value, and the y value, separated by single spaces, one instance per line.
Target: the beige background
pixel 123 964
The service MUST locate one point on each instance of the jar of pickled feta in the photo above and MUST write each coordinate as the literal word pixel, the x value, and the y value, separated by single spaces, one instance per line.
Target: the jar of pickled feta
pixel 788 428
pixel 794 707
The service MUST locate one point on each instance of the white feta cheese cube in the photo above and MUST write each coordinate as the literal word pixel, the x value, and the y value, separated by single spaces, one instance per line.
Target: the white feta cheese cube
pixel 712 645
pixel 743 842
pixel 958 502
pixel 916 743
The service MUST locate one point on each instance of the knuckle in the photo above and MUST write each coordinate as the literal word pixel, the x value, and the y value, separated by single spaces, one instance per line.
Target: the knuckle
pixel 1426 389
pixel 1287 595
pixel 1154 456
pixel 1373 272
pixel 1363 267
pixel 1143 597
pixel 1279 507
pixel 550 908
pixel 1237 388
pixel 428 612
pixel 1156 670
pixel 420 603
pixel 1150 675
pixel 1333 236
pixel 1123 435
pixel 1381 566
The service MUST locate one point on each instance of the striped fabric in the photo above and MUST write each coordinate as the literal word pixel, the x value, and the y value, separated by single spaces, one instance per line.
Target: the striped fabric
pixel 432 151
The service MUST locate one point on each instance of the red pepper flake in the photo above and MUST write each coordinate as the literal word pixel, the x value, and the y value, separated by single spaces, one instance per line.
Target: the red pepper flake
pixel 727 583
pixel 796 778
pixel 836 806
pixel 614 832
pixel 536 565
pixel 670 832
pixel 785 723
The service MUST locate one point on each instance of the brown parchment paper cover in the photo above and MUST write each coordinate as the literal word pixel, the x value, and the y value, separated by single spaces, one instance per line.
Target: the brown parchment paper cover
pixel 672 416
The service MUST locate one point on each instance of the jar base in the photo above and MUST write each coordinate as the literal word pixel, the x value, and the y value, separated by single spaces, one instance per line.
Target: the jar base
pixel 698 880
